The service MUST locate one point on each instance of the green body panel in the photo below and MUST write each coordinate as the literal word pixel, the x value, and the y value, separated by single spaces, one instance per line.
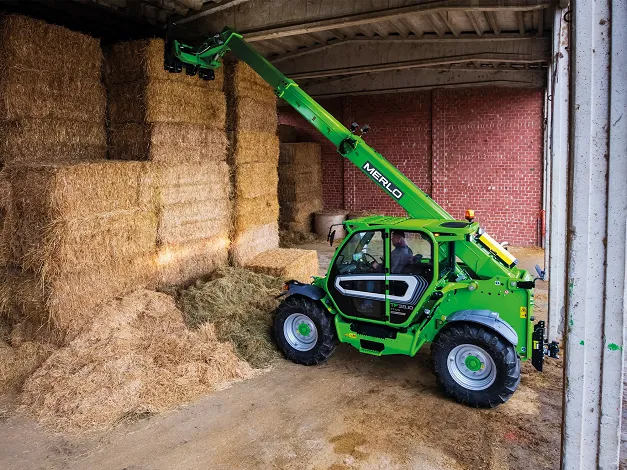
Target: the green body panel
pixel 482 280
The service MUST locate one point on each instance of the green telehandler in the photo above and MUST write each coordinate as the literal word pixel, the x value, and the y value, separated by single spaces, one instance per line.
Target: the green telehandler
pixel 398 283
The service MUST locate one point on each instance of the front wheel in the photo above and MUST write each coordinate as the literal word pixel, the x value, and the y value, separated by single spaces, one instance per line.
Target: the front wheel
pixel 475 365
pixel 304 331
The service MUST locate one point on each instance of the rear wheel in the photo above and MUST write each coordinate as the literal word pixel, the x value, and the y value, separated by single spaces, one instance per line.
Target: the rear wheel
pixel 304 331
pixel 475 365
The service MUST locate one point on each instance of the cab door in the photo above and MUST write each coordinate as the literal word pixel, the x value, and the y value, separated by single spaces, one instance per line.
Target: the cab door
pixel 357 279
pixel 411 271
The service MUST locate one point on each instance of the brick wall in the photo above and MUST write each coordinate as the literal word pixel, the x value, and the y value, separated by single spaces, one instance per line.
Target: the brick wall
pixel 478 148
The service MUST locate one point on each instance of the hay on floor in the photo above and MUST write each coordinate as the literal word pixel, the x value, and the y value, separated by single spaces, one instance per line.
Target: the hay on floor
pixel 239 303
pixel 136 358
pixel 18 363
pixel 286 263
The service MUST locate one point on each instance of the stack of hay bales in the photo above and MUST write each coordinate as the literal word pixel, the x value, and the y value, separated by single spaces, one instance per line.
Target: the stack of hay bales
pixel 82 234
pixel 52 100
pixel 300 185
pixel 177 123
pixel 254 159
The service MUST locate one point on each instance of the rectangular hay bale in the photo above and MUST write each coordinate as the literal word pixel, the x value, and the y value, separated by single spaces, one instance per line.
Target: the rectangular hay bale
pixel 39 140
pixel 301 154
pixel 179 264
pixel 28 44
pixel 253 115
pixel 300 211
pixel 249 243
pixel 182 223
pixel 298 193
pixel 51 96
pixel 255 212
pixel 103 241
pixel 61 303
pixel 256 179
pixel 45 194
pixel 286 263
pixel 77 190
pixel 249 147
pixel 242 81
pixel 167 101
pixel 167 143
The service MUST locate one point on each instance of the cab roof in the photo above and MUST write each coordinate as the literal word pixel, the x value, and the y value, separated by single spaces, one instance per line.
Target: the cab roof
pixel 448 226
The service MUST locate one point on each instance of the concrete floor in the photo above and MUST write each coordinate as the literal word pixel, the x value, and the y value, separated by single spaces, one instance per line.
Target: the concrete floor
pixel 354 412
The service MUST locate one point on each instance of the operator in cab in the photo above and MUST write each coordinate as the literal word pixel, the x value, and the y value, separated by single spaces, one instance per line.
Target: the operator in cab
pixel 400 257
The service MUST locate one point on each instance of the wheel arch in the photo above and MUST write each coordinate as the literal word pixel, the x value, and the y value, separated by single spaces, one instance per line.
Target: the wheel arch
pixel 309 291
pixel 487 318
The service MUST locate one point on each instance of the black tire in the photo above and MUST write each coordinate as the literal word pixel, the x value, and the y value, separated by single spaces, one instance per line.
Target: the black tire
pixel 326 342
pixel 502 352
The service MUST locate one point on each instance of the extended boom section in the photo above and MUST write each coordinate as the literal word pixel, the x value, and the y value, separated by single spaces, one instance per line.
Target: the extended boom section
pixel 478 252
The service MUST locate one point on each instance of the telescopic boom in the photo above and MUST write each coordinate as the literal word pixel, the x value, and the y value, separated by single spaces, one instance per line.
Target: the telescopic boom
pixel 481 253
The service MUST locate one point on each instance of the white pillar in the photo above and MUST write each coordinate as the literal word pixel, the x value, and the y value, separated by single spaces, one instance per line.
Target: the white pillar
pixel 556 211
pixel 597 237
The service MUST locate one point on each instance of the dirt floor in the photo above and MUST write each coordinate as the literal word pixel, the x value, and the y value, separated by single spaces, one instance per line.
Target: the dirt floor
pixel 354 412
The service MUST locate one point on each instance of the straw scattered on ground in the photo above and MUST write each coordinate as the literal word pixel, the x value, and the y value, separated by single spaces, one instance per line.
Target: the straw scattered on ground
pixel 136 358
pixel 240 304
pixel 19 362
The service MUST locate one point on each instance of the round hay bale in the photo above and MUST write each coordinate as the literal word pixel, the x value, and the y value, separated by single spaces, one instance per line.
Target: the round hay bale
pixel 324 219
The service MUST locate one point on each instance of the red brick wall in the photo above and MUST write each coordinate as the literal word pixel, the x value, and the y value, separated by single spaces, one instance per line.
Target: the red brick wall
pixel 478 148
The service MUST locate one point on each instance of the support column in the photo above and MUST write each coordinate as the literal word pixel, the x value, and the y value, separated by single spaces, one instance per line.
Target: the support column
pixel 557 169
pixel 597 237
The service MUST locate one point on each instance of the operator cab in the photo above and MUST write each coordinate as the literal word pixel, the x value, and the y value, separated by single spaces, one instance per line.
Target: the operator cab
pixel 384 267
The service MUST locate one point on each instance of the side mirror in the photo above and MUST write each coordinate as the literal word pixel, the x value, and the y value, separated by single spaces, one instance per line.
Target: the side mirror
pixel 331 238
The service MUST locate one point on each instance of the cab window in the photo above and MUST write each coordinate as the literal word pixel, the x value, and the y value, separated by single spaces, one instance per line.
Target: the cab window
pixel 363 253
pixel 412 253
